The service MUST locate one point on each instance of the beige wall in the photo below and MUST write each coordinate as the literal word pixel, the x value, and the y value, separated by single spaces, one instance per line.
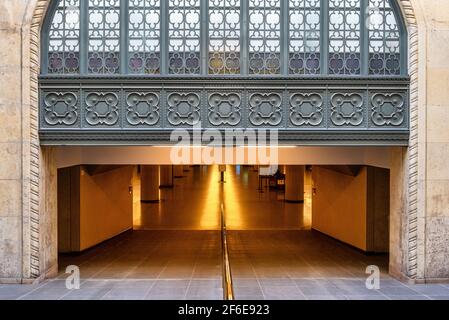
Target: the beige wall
pixel 106 205
pixel 339 204
pixel 373 156
pixel 93 207
pixel 434 179
pixel 352 208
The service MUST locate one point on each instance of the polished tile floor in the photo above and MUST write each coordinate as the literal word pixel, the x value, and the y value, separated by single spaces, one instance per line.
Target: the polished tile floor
pixel 194 204
pixel 174 253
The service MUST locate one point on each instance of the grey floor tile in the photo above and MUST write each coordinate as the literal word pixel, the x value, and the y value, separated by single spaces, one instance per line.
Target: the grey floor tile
pixel 282 292
pixel 248 291
pixel 391 283
pixel 126 294
pixel 276 282
pixel 206 297
pixel 318 290
pixel 45 294
pixel 440 298
pixel 369 297
pixel 133 284
pixel 398 291
pixel 249 297
pixel 325 297
pixel 167 293
pixel 348 282
pixel 408 297
pixel 172 284
pixel 245 282
pixel 87 294
pixel 360 291
pixel 12 291
pixel 209 283
pixel 311 282
pixel 203 292
pixel 87 284
pixel 430 289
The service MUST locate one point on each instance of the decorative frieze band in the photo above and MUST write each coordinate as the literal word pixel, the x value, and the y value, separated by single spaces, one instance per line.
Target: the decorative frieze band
pixel 208 107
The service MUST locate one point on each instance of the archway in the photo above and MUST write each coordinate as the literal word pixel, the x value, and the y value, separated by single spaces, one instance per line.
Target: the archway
pixel 39 254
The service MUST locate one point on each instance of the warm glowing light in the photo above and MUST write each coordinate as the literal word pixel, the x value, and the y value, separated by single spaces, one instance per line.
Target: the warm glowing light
pixel 232 201
pixel 211 211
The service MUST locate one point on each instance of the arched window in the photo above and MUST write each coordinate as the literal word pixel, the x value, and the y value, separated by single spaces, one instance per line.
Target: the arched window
pixel 224 37
pixel 321 72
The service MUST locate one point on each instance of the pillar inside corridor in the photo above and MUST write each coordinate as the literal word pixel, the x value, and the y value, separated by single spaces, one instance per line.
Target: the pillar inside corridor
pixel 149 183
pixel 294 183
pixel 166 176
pixel 178 171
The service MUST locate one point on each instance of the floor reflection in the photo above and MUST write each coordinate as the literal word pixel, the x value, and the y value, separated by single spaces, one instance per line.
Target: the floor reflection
pixel 194 203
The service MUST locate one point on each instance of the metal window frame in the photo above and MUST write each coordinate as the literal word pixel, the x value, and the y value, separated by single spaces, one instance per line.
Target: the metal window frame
pixel 204 50
pixel 283 86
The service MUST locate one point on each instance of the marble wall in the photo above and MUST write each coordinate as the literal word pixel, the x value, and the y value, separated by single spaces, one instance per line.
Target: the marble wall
pixel 11 139
pixel 419 241
pixel 435 138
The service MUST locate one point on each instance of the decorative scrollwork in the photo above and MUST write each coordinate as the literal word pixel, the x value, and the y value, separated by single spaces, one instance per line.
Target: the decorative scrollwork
pixel 184 30
pixel 306 109
pixel 209 37
pixel 347 109
pixel 344 36
pixel 387 109
pixel 64 38
pixel 224 109
pixel 104 36
pixel 144 25
pixel 384 39
pixel 304 37
pixel 61 108
pixel 102 108
pixel 143 108
pixel 265 109
pixel 224 36
pixel 184 108
pixel 264 37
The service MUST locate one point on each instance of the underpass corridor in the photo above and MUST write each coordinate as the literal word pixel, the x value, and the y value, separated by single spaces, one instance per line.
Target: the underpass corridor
pixel 174 249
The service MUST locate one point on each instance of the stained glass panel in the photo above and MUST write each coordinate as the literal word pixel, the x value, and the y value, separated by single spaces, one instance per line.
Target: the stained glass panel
pixel 264 36
pixel 104 36
pixel 64 42
pixel 304 37
pixel 344 37
pixel 144 36
pixel 384 41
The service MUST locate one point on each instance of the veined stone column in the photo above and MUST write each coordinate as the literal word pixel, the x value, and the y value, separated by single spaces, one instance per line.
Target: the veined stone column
pixel 178 171
pixel 166 176
pixel 149 183
pixel 294 183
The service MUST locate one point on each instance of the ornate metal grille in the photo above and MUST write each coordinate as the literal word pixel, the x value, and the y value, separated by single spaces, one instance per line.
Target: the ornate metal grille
pixel 384 40
pixel 264 36
pixel 184 36
pixel 104 36
pixel 144 36
pixel 131 71
pixel 243 37
pixel 224 37
pixel 64 44
pixel 304 37
pixel 344 37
